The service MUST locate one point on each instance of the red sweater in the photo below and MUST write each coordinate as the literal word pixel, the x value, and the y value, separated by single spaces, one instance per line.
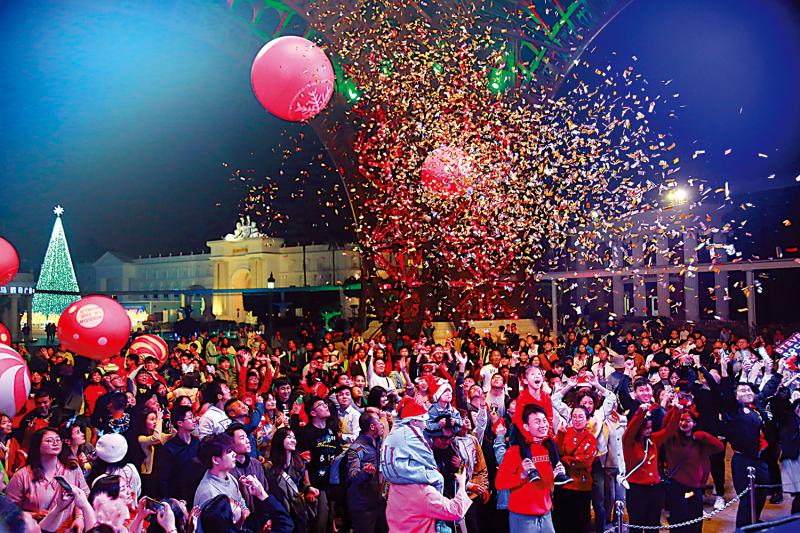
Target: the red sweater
pixel 577 451
pixel 687 458
pixel 526 498
pixel 633 448
pixel 526 398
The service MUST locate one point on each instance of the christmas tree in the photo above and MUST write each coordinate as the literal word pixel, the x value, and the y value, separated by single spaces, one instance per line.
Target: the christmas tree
pixel 57 274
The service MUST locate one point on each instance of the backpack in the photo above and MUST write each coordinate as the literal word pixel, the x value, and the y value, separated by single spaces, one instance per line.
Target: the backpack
pixel 338 477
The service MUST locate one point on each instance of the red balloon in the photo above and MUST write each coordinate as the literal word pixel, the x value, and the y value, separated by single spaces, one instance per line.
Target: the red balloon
pixel 15 381
pixel 5 335
pixel 154 345
pixel 447 171
pixel 292 78
pixel 95 326
pixel 9 262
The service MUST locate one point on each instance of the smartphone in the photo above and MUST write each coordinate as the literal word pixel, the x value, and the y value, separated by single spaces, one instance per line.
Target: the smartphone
pixel 64 485
pixel 152 505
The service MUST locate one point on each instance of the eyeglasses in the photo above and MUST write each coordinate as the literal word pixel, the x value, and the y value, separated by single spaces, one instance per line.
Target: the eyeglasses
pixel 52 440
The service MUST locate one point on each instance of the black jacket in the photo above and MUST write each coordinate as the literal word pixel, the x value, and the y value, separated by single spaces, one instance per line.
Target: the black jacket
pixel 742 425
pixel 788 425
pixel 178 470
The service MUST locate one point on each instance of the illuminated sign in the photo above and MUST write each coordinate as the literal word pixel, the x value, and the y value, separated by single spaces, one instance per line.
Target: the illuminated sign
pixel 12 289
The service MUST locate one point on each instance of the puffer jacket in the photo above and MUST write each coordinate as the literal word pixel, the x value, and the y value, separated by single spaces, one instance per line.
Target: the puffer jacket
pixel 407 458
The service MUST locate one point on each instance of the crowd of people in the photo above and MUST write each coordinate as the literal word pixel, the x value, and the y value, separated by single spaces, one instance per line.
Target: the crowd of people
pixel 322 432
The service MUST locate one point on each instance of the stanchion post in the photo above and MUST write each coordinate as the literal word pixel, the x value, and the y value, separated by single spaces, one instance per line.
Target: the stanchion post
pixel 751 476
pixel 620 505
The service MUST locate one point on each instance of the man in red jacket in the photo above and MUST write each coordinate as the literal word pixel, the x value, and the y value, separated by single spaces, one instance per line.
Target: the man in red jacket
pixel 534 394
pixel 530 502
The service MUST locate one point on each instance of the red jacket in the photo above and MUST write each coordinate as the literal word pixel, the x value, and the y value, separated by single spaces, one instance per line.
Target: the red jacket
pixel 90 395
pixel 526 498
pixel 577 451
pixel 633 449
pixel 687 459
pixel 526 398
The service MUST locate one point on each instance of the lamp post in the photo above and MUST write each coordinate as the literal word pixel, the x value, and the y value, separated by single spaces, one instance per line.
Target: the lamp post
pixel 270 287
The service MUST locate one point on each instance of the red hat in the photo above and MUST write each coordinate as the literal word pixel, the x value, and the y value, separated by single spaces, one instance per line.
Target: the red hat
pixel 409 408
pixel 437 386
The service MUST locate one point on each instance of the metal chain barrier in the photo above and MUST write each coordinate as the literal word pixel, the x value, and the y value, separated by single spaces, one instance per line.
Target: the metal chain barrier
pixel 705 516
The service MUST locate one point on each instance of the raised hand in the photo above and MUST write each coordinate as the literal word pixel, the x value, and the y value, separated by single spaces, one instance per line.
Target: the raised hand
pixel 462 360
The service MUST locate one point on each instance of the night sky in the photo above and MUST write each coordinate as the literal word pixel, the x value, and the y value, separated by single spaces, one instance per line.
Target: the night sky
pixel 126 113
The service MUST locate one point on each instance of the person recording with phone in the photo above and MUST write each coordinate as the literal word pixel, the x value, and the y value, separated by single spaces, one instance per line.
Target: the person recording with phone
pixel 34 489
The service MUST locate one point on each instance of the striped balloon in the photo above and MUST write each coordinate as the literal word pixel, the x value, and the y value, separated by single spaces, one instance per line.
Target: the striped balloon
pixel 5 335
pixel 15 381
pixel 154 345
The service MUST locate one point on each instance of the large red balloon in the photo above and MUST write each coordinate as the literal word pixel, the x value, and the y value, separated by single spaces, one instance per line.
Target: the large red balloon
pixel 292 78
pixel 5 335
pixel 15 381
pixel 96 327
pixel 154 345
pixel 447 171
pixel 9 262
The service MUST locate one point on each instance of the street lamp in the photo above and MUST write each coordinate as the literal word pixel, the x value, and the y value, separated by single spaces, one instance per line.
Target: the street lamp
pixel 678 196
pixel 270 286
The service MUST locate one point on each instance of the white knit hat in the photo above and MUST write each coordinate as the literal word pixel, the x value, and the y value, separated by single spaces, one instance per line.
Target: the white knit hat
pixel 111 448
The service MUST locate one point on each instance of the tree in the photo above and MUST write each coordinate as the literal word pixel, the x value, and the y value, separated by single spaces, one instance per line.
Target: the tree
pixel 57 274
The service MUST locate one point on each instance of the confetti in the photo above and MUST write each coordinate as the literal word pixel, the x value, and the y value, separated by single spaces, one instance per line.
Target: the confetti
pixel 551 176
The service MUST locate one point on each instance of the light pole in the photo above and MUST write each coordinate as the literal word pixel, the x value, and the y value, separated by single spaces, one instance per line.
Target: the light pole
pixel 270 287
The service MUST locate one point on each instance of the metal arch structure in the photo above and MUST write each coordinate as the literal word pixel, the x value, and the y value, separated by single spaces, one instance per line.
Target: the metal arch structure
pixel 544 37
pixel 542 41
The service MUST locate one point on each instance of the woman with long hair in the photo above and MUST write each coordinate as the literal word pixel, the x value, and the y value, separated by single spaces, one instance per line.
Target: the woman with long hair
pixel 115 506
pixel 288 480
pixel 112 452
pixel 75 450
pixel 34 487
pixel 270 421
pixel 144 439
pixel 378 403
pixel 687 460
pixel 645 497
pixel 12 456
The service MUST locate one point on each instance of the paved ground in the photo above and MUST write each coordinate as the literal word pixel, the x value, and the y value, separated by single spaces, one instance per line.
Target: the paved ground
pixel 725 521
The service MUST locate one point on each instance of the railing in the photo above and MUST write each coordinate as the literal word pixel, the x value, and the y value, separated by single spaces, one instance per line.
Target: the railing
pixel 621 525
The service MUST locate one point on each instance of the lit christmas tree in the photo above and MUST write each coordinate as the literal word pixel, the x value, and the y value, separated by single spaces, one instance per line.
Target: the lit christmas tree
pixel 57 274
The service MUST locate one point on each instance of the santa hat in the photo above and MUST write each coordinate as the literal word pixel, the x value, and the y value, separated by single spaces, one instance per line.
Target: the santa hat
pixel 437 387
pixel 410 409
